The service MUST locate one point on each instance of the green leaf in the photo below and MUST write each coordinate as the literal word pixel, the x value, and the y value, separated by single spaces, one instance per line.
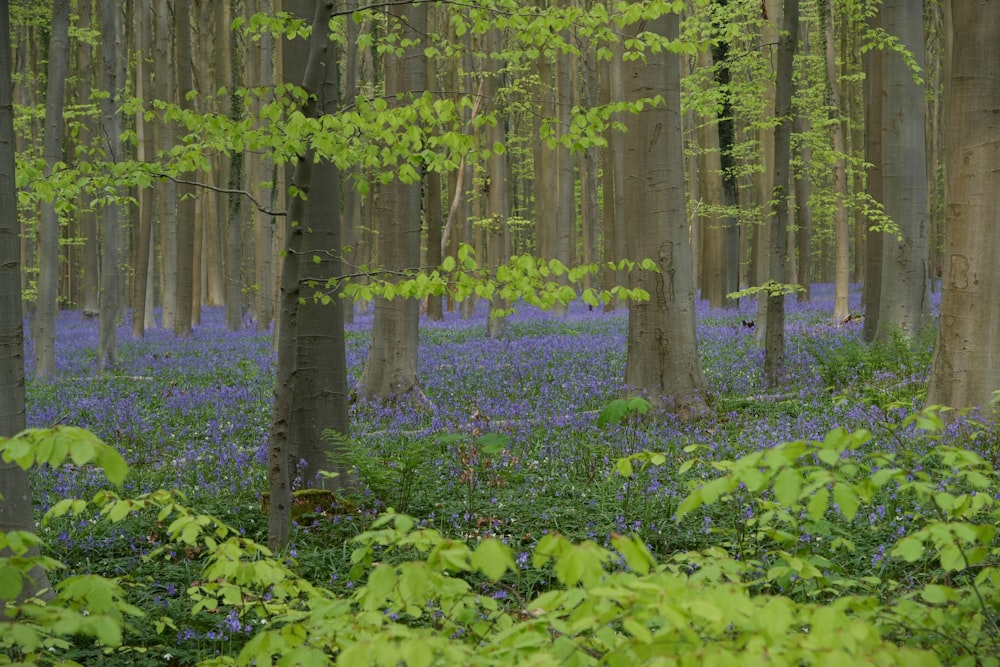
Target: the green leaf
pixel 847 499
pixel 937 594
pixel 493 558
pixel 909 549
pixel 787 485
pixel 817 505
pixel 636 554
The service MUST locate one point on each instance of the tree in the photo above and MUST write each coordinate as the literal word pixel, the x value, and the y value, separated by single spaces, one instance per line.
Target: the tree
pixel 281 445
pixel 903 302
pixel 44 329
pixel 184 302
pixel 774 339
pixel 662 357
pixel 16 506
pixel 111 130
pixel 966 368
pixel 391 368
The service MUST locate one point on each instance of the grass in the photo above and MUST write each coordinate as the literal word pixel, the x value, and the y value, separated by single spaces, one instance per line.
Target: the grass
pixel 193 415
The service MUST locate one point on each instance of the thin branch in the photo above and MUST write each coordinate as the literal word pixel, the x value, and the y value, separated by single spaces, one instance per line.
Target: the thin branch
pixel 226 191
pixel 453 209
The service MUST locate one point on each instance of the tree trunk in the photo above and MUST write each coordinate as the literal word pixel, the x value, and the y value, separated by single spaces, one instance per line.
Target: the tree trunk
pixel 842 261
pixel 966 368
pixel 320 397
pixel 281 445
pixel 44 329
pixel 874 102
pixel 903 304
pixel 234 218
pixel 774 340
pixel 145 151
pixel 90 255
pixel 111 129
pixel 185 291
pixel 662 355
pixel 166 199
pixel 16 506
pixel 390 371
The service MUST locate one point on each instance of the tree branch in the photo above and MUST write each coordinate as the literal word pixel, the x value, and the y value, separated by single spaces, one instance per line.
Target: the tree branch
pixel 226 191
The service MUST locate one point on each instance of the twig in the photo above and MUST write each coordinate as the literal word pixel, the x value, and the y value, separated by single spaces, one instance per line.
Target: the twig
pixel 226 191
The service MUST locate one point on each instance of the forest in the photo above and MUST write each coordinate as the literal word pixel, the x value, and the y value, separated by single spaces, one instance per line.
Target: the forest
pixel 488 332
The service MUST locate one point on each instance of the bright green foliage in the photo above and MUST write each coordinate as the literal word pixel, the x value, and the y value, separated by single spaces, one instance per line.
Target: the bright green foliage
pixel 421 601
pixel 524 278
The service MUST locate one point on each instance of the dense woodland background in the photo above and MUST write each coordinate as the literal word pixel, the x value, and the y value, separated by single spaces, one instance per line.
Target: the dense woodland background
pixel 274 158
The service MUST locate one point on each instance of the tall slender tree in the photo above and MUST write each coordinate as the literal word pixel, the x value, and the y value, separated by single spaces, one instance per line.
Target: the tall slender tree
pixel 111 130
pixel 185 291
pixel 903 302
pixel 662 355
pixel 44 329
pixel 966 369
pixel 16 506
pixel 391 368
pixel 774 339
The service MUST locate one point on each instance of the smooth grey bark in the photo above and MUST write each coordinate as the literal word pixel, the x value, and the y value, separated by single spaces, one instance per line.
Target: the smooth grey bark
pixel 840 225
pixel 904 299
pixel 774 339
pixel 166 199
pixel 145 151
pixel 264 225
pixel 662 356
pixel 16 507
pixel 44 325
pixel 497 202
pixel 803 213
pixel 111 130
pixel 390 372
pixel 186 241
pixel 966 368
pixel 874 101
pixel 90 255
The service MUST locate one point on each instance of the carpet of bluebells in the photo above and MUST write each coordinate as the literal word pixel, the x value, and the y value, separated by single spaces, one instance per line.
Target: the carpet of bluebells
pixel 193 414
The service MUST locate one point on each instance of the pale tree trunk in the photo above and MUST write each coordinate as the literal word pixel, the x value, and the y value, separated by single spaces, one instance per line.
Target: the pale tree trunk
pixel 166 199
pixel 234 209
pixel 966 368
pixel 874 102
pixel 611 183
pixel 903 304
pixel 88 218
pixel 715 265
pixel 186 241
pixel 564 215
pixel 263 169
pixel 587 166
pixel 803 210
pixel 774 340
pixel 111 129
pixel 497 203
pixel 16 506
pixel 145 150
pixel 662 355
pixel 44 329
pixel 390 371
pixel 842 261
pixel 435 220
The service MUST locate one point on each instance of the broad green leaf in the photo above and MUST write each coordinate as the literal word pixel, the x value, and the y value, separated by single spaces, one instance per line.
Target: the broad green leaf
pixel 493 558
pixel 847 500
pixel 817 505
pixel 909 549
pixel 787 485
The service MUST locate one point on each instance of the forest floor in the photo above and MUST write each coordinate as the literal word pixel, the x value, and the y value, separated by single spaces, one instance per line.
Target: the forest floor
pixel 193 415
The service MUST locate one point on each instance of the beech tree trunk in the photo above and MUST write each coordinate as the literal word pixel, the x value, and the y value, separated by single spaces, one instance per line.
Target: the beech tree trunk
pixel 185 291
pixel 662 356
pixel 44 329
pixel 390 371
pixel 903 303
pixel 774 339
pixel 16 507
pixel 966 369
pixel 145 151
pixel 111 129
pixel 842 262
